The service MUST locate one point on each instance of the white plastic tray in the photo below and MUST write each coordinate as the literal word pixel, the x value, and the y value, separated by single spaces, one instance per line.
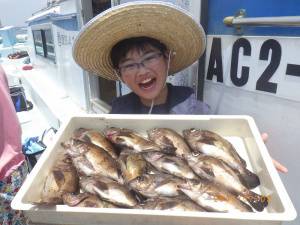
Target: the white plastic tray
pixel 240 130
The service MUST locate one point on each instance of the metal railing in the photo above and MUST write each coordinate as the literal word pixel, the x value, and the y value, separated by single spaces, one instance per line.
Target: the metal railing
pixel 240 20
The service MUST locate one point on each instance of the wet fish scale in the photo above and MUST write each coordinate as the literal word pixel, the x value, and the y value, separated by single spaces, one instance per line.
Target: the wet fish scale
pixel 180 203
pixel 169 139
pixel 93 160
pixel 85 200
pixel 154 185
pixel 212 144
pixel 108 190
pixel 132 165
pixel 61 179
pixel 170 164
pixel 213 198
pixel 96 138
pixel 128 138
pixel 217 171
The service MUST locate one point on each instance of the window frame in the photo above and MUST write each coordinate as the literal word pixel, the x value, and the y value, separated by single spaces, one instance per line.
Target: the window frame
pixel 42 28
pixel 94 96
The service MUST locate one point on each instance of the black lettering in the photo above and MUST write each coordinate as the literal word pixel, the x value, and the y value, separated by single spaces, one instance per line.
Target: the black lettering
pixel 263 83
pixel 243 79
pixel 293 70
pixel 215 67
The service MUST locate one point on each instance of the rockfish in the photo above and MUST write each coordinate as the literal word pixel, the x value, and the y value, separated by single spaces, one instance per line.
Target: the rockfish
pixel 91 160
pixel 128 138
pixel 96 138
pixel 213 198
pixel 170 164
pixel 212 144
pixel 169 139
pixel 219 172
pixel 108 190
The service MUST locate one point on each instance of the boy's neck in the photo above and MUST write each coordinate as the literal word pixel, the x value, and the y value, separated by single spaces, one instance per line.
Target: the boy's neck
pixel 159 100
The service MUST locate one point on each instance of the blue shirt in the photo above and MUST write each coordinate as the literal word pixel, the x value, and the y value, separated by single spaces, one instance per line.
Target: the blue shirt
pixel 180 100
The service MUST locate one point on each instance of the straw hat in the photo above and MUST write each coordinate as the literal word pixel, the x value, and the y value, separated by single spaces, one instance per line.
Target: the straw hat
pixel 163 21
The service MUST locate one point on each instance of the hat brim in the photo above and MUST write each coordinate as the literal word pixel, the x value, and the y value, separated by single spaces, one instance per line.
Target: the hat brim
pixel 165 22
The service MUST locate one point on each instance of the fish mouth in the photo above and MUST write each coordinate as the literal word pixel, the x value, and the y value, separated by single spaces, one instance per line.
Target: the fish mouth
pixel 110 133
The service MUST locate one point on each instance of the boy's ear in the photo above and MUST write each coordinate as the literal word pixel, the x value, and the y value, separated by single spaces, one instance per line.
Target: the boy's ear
pixel 167 52
pixel 122 80
pixel 118 74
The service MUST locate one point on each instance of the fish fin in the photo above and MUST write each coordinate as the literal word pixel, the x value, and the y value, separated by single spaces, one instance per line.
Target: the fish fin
pixel 258 202
pixel 208 171
pixel 249 180
pixel 85 138
pixel 166 160
pixel 72 200
pixel 167 145
pixel 59 177
pixel 101 185
pixel 236 155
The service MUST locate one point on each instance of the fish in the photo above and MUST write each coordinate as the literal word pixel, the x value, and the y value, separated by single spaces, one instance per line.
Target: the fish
pixel 91 160
pixel 132 165
pixel 169 139
pixel 85 200
pixel 128 138
pixel 212 197
pixel 61 179
pixel 170 164
pixel 215 170
pixel 155 185
pixel 180 203
pixel 210 143
pixel 108 190
pixel 97 138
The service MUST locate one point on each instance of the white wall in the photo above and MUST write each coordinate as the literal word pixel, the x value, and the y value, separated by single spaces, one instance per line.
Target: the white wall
pixel 278 115
pixel 64 75
pixel 71 75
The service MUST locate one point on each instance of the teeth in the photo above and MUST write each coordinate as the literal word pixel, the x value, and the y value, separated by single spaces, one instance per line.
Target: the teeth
pixel 146 81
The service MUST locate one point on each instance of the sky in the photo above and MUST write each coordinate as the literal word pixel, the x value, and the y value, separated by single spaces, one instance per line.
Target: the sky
pixel 16 12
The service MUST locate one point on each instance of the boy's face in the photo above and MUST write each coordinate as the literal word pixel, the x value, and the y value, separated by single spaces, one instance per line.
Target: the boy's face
pixel 144 72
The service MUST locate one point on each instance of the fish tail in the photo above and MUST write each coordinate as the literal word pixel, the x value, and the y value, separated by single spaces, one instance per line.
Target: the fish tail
pixel 258 202
pixel 249 179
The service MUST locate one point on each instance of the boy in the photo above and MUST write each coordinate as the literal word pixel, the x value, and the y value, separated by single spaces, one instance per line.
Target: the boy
pixel 142 52
pixel 140 44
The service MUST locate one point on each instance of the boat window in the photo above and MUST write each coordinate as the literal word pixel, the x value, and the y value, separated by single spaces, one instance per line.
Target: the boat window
pixel 49 44
pixel 106 89
pixel 43 42
pixel 38 42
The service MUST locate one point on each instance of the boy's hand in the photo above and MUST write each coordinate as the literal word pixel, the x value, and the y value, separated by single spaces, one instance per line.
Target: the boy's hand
pixel 281 168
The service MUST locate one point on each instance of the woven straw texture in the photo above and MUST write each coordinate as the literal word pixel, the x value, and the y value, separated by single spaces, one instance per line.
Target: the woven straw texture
pixel 165 22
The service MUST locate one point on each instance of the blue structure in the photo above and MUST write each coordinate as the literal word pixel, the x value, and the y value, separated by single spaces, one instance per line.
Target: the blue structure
pixel 8 35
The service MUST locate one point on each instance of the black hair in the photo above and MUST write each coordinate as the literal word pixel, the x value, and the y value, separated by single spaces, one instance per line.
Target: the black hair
pixel 120 50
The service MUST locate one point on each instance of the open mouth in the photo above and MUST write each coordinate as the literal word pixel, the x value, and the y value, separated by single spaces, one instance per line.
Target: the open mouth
pixel 147 83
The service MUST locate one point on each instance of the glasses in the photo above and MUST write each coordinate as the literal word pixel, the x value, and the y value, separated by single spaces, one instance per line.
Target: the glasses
pixel 149 61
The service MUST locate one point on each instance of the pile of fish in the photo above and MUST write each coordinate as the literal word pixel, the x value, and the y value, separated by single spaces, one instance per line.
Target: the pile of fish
pixel 196 171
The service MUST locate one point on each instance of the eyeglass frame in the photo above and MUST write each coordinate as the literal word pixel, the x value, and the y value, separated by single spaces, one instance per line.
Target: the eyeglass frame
pixel 137 65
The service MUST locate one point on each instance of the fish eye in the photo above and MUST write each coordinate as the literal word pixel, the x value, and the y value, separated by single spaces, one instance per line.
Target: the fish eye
pixel 141 178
